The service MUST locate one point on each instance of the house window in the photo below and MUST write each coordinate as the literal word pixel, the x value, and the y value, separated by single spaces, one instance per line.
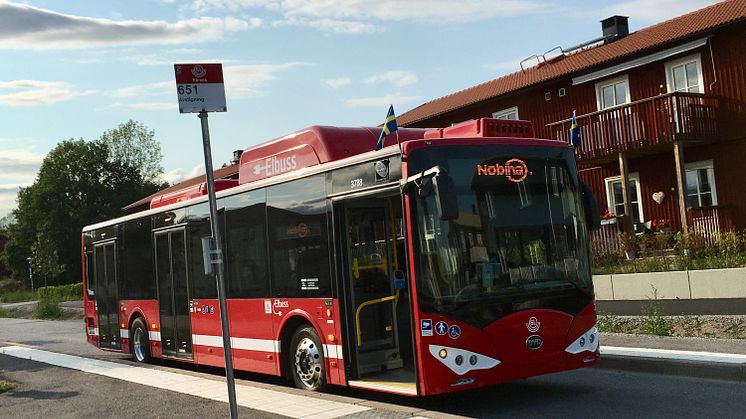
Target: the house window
pixel 700 184
pixel 612 92
pixel 615 197
pixel 685 75
pixel 510 113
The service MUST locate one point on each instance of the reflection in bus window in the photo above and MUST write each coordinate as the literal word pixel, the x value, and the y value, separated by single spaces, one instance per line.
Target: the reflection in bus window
pixel 299 238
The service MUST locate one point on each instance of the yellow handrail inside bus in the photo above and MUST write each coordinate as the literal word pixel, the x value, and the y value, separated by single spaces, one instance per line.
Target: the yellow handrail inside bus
pixel 394 297
pixel 357 267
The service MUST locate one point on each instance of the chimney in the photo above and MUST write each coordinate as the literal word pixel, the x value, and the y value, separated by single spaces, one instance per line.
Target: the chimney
pixel 236 156
pixel 615 27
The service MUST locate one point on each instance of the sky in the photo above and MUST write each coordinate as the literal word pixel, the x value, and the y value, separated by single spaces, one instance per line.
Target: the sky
pixel 74 68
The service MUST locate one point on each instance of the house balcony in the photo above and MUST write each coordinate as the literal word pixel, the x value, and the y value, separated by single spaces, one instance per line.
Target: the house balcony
pixel 642 127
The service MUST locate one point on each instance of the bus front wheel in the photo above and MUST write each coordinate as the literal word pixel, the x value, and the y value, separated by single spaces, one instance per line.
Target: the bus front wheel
pixel 307 359
pixel 140 341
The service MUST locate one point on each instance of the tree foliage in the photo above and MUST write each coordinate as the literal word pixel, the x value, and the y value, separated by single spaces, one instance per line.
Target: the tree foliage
pixel 132 143
pixel 79 183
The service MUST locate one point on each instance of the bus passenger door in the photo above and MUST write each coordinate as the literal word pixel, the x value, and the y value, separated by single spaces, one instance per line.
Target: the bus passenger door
pixel 173 293
pixel 377 307
pixel 105 277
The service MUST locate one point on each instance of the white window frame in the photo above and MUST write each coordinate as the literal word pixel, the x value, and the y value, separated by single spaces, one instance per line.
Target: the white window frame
pixel 599 91
pixel 503 114
pixel 611 205
pixel 704 164
pixel 697 59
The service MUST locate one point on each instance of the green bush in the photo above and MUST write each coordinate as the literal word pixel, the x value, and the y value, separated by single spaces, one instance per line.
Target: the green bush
pixel 16 296
pixel 47 310
pixel 61 292
pixel 6 386
pixel 667 252
pixel 653 322
pixel 7 314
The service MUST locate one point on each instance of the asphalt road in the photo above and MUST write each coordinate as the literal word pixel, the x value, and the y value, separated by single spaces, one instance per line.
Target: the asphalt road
pixel 580 394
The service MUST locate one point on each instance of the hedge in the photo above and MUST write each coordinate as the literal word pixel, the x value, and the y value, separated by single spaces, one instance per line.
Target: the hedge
pixel 61 292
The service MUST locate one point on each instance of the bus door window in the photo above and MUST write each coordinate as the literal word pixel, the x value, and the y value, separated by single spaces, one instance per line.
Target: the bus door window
pixel 173 292
pixel 105 283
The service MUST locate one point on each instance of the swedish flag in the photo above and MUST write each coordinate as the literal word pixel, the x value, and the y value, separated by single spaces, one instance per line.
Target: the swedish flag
pixel 574 132
pixel 389 126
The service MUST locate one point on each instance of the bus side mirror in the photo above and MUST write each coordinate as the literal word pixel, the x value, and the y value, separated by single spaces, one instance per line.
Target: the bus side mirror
pixel 446 202
pixel 590 207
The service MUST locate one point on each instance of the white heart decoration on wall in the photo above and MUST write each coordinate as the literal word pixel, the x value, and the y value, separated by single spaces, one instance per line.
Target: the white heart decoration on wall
pixel 658 197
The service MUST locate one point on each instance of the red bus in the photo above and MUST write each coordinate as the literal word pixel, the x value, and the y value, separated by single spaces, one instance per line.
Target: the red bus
pixel 460 262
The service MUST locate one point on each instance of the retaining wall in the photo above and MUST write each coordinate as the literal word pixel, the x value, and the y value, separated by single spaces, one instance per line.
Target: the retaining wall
pixel 675 285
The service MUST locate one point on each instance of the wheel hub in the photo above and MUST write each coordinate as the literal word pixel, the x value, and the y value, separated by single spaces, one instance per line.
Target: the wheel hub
pixel 308 363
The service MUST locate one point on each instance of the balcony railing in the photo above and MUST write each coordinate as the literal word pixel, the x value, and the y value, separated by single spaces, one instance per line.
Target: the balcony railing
pixel 638 125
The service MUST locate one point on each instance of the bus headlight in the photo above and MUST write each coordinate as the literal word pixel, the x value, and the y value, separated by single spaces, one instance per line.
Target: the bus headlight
pixel 588 341
pixel 454 358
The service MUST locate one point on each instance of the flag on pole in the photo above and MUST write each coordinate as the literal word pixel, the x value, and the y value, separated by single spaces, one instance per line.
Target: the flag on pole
pixel 389 126
pixel 574 132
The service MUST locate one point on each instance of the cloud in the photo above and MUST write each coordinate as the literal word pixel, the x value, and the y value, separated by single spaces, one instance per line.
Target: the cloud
pixel 148 106
pixel 398 78
pixel 243 81
pixel 19 164
pixel 179 175
pixel 150 89
pixel 18 168
pixel 365 16
pixel 36 92
pixel 348 27
pixel 28 27
pixel 337 83
pixel 8 195
pixel 382 101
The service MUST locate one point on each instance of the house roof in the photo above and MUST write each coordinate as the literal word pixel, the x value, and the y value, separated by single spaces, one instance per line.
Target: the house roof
pixel 144 203
pixel 643 40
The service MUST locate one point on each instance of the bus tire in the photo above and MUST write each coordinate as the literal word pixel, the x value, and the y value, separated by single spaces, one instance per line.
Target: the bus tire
pixel 140 341
pixel 306 359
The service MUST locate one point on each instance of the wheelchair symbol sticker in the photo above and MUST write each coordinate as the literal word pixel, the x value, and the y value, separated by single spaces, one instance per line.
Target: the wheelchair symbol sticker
pixel 454 332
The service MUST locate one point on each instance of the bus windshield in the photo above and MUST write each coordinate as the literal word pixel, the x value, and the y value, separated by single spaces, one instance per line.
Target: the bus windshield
pixel 519 241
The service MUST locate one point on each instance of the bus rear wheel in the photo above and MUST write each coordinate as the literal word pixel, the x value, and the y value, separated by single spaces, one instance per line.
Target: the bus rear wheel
pixel 140 341
pixel 307 360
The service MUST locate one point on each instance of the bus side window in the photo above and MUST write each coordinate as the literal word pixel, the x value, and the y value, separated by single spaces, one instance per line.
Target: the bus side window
pixel 298 238
pixel 137 281
pixel 246 250
pixel 198 221
pixel 89 273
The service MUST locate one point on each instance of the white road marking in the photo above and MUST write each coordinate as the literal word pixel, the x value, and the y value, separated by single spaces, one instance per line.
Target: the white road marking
pixel 266 400
pixel 716 357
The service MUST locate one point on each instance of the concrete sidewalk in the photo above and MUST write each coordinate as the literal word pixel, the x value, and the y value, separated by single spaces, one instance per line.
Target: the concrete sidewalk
pixel 693 357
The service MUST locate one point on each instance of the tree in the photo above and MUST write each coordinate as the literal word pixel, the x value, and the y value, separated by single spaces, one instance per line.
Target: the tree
pixel 133 144
pixel 78 184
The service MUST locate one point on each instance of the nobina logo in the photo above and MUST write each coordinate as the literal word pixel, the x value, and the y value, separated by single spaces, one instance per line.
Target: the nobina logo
pixel 198 71
pixel 515 170
pixel 534 342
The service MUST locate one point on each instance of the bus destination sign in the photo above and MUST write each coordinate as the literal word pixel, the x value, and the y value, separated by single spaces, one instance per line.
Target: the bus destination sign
pixel 199 87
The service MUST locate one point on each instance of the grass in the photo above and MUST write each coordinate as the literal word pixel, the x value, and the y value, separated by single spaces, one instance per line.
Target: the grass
pixel 47 310
pixel 6 386
pixel 16 296
pixel 8 314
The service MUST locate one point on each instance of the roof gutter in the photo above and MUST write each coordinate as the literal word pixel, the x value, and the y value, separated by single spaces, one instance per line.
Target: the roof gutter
pixel 638 62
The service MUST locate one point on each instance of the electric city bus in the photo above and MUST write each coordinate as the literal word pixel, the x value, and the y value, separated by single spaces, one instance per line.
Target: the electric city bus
pixel 459 260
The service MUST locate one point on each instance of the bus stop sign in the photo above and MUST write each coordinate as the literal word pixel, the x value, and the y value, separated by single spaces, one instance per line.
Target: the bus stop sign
pixel 199 88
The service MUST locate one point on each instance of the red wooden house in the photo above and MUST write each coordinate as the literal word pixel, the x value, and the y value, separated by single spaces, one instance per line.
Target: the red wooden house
pixel 663 107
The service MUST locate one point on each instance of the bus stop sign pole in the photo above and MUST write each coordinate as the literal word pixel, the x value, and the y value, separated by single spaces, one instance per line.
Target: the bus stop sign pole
pixel 218 261
pixel 200 90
